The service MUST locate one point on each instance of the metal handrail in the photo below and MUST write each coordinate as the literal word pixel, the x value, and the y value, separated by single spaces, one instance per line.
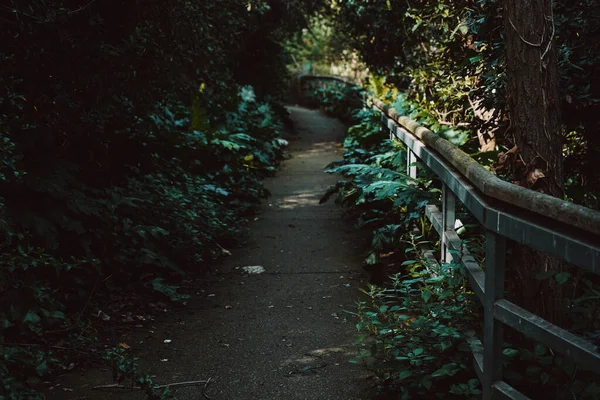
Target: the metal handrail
pixel 487 182
pixel 553 226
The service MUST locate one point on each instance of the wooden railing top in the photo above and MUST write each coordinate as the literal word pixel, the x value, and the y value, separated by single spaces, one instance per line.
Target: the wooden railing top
pixel 488 183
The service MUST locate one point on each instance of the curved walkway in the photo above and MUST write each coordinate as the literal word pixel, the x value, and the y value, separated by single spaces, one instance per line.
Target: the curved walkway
pixel 281 334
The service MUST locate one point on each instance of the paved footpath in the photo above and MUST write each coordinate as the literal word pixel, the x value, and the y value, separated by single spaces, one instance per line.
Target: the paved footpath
pixel 282 334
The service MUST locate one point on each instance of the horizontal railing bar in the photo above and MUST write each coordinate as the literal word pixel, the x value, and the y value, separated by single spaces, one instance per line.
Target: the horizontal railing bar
pixel 434 215
pixel 560 340
pixel 475 274
pixel 490 185
pixel 503 390
pixel 465 192
pixel 579 251
pixel 527 229
pixel 477 350
pixel 487 182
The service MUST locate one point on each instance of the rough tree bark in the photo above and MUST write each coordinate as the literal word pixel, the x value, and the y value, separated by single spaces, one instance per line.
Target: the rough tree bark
pixel 533 87
pixel 534 110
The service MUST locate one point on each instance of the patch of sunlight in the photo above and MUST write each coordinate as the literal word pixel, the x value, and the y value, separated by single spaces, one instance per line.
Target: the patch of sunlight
pixel 309 357
pixel 330 350
pixel 319 148
pixel 299 199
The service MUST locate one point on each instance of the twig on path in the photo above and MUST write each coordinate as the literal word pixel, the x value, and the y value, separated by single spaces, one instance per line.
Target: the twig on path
pixel 120 386
pixel 115 386
pixel 204 389
pixel 205 382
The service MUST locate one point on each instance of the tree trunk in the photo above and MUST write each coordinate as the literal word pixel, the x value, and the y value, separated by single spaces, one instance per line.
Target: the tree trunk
pixel 533 84
pixel 534 110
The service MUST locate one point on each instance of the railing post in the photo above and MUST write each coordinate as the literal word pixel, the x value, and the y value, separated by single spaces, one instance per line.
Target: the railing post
pixel 411 167
pixel 448 220
pixel 383 127
pixel 495 251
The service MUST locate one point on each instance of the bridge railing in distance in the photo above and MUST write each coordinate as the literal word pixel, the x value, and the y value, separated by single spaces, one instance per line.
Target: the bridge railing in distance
pixel 553 226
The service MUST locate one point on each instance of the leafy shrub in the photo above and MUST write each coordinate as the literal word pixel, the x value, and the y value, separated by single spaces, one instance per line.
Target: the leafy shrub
pixel 413 329
pixel 381 197
pixel 416 330
pixel 175 210
pixel 132 148
pixel 339 100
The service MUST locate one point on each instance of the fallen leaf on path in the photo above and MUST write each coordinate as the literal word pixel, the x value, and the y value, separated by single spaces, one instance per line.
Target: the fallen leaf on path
pixel 254 269
pixel 103 316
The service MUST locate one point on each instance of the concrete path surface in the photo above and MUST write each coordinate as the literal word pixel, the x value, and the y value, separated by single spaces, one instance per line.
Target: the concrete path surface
pixel 281 334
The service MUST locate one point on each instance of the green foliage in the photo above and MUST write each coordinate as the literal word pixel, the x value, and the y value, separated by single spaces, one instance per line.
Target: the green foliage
pixel 338 99
pixel 416 329
pixel 317 47
pixel 536 365
pixel 381 197
pixel 133 140
pixel 423 48
pixel 174 211
pixel 413 330
pixel 125 368
pixel 448 57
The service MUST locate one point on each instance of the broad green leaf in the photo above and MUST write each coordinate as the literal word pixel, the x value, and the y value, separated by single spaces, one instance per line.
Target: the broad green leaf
pixel 562 278
pixel 41 368
pixel 359 339
pixel 449 369
pixel 31 318
pixel 426 295
pixel 510 352
pixel 405 374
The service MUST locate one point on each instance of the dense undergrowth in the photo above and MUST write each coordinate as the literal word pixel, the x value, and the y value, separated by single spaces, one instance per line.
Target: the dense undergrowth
pixel 415 323
pixel 133 140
